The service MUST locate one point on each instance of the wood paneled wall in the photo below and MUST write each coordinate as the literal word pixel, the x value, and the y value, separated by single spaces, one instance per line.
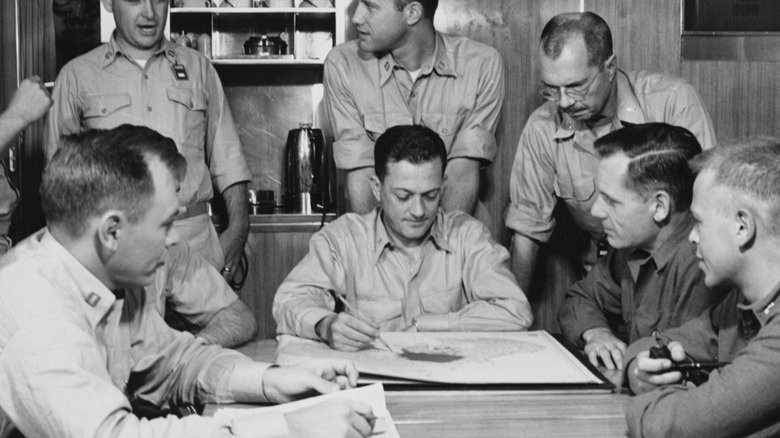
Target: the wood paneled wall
pixel 742 97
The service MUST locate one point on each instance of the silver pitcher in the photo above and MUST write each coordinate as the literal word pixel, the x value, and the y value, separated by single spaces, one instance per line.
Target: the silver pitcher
pixel 307 187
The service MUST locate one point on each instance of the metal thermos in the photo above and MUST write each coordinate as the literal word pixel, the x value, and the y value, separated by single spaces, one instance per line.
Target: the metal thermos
pixel 307 177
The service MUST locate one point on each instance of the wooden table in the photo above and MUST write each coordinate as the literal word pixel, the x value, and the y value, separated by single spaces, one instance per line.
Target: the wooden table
pixel 475 414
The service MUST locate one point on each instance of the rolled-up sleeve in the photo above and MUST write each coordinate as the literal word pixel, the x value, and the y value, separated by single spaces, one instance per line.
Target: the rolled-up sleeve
pixel 476 136
pixel 352 148
pixel 495 301
pixel 194 289
pixel 531 185
pixel 304 298
pixel 224 154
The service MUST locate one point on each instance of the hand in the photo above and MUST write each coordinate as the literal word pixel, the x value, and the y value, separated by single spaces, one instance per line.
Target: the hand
pixel 646 374
pixel 30 101
pixel 337 418
pixel 232 242
pixel 602 344
pixel 284 384
pixel 347 333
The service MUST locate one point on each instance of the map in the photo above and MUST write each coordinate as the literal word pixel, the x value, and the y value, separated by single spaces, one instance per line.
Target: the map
pixel 456 357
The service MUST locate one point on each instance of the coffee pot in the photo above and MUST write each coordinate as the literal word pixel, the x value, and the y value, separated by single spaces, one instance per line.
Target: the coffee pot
pixel 307 186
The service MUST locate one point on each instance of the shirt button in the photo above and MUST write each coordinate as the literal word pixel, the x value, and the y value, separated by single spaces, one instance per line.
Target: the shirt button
pixel 413 94
pixel 444 131
pixel 148 108
pixel 191 105
pixel 103 110
pixel 146 76
pixel 108 55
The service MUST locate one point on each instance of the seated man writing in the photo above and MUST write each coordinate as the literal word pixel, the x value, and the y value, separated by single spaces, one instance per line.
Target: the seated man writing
pixel 406 265
pixel 79 339
pixel 649 280
pixel 736 205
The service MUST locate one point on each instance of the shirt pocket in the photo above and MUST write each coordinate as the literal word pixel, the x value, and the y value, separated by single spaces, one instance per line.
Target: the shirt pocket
pixel 442 301
pixel 380 309
pixel 104 105
pixel 579 189
pixel 376 124
pixel 189 108
pixel 445 125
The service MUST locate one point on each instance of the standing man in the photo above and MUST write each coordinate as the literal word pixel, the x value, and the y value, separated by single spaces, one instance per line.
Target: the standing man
pixel 736 204
pixel 141 78
pixel 587 97
pixel 650 279
pixel 401 71
pixel 407 265
pixel 28 104
pixel 79 340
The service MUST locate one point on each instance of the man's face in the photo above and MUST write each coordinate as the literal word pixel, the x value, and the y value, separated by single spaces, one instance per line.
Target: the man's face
pixel 626 216
pixel 139 24
pixel 713 232
pixel 571 71
pixel 381 26
pixel 141 246
pixel 409 195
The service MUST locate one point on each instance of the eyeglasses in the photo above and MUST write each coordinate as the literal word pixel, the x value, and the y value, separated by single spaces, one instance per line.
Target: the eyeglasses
pixel 578 93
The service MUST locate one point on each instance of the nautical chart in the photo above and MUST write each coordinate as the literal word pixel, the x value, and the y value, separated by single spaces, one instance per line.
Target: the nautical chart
pixel 456 357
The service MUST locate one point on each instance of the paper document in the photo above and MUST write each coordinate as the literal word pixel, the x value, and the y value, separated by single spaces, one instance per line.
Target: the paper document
pixel 456 357
pixel 373 395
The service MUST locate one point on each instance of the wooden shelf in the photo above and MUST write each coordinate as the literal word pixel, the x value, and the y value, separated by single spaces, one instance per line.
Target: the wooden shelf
pixel 253 10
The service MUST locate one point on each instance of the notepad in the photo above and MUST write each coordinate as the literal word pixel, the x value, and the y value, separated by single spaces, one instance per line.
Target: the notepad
pixel 373 395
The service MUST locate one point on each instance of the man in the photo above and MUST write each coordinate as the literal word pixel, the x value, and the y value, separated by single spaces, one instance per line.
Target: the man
pixel 736 202
pixel 401 71
pixel 649 280
pixel 407 265
pixel 192 296
pixel 78 338
pixel 28 104
pixel 588 97
pixel 140 78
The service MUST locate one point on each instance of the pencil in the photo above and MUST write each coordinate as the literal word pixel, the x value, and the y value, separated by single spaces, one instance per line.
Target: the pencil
pixel 357 315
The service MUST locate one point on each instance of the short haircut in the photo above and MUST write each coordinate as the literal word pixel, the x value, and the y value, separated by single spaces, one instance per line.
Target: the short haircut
pixel 429 7
pixel 98 170
pixel 592 28
pixel 751 168
pixel 413 143
pixel 659 155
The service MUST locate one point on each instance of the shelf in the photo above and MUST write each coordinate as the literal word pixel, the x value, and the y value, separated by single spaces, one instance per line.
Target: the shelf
pixel 218 11
pixel 238 61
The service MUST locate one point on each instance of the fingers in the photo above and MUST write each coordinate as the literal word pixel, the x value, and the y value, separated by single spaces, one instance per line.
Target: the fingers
pixel 678 353
pixel 609 354
pixel 351 334
pixel 651 373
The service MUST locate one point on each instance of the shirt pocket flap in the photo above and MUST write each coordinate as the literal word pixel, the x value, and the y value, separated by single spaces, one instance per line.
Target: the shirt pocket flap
pixel 442 301
pixel 377 123
pixel 192 99
pixel 104 104
pixel 581 189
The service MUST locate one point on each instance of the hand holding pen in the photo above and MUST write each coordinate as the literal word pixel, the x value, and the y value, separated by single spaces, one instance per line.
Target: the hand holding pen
pixel 347 332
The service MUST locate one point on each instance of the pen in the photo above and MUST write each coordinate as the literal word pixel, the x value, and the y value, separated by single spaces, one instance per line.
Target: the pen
pixel 692 366
pixel 354 313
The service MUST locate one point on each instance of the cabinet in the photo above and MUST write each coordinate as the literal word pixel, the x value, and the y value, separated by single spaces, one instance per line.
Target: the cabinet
pixel 308 32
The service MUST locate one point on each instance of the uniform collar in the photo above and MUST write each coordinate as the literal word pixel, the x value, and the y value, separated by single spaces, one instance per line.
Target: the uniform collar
pixel 113 50
pixel 628 111
pixel 765 308
pixel 382 240
pixel 664 253
pixel 98 298
pixel 442 62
